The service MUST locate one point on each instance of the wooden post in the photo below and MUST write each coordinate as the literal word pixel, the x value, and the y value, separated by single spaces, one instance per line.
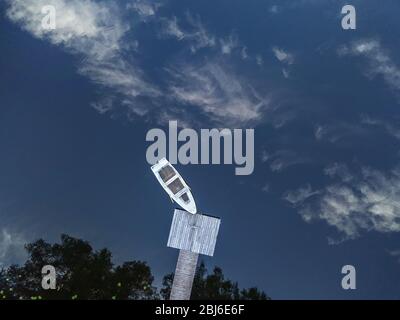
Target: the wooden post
pixel 192 234
pixel 184 275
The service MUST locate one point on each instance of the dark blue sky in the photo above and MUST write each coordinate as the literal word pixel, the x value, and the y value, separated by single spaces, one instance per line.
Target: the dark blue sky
pixel 76 105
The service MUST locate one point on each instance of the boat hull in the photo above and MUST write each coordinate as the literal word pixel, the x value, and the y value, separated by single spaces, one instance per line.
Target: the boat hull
pixel 173 183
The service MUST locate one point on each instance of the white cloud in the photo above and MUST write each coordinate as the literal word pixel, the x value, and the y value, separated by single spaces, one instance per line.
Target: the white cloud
pixel 11 248
pixel 368 200
pixel 298 196
pixel 95 31
pixel 245 56
pixel 144 8
pixel 319 132
pixel 216 91
pixel 338 131
pixel 339 170
pixel 104 106
pixel 85 27
pixel 286 73
pixel 265 156
pixel 259 60
pixel 274 9
pixel 119 75
pixel 201 37
pixel 283 56
pixel 229 44
pixel 244 53
pixel 283 159
pixel 171 28
pixel 379 60
pixel 197 36
pixel 388 127
pixel 395 253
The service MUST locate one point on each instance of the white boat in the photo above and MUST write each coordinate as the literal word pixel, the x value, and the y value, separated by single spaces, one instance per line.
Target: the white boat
pixel 174 185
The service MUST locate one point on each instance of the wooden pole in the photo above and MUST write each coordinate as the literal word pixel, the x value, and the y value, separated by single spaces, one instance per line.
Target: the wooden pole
pixel 184 275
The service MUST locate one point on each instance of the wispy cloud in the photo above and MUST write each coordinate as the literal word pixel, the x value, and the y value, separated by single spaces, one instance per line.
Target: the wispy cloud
pixel 94 31
pixel 196 34
pixel 354 202
pixel 286 73
pixel 380 62
pixel 229 44
pixel 388 127
pixel 264 156
pixel 85 27
pixel 274 9
pixel 218 92
pixel 283 55
pixel 199 37
pixel 202 38
pixel 331 132
pixel 145 8
pixel 298 196
pixel 283 159
pixel 11 247
pixel 395 253
pixel 171 28
pixel 244 53
pixel 99 34
pixel 259 60
pixel 286 58
pixel 338 131
pixel 339 170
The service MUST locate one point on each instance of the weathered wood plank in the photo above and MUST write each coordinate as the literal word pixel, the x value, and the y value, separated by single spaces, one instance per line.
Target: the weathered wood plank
pixel 194 232
pixel 184 275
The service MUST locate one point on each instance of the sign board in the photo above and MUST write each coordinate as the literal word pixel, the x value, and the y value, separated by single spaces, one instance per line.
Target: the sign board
pixel 196 233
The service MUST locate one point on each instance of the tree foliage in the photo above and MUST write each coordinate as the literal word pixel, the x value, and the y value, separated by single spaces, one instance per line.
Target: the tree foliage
pixel 214 286
pixel 85 273
pixel 82 273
